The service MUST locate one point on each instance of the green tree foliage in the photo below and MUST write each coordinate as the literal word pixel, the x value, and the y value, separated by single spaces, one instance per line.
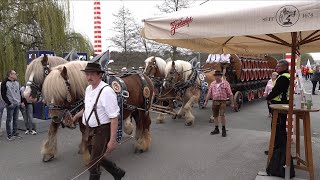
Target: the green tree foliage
pixel 35 25
pixel 305 58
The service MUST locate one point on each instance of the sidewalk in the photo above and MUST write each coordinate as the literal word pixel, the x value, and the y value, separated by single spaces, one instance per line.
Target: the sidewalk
pixel 41 125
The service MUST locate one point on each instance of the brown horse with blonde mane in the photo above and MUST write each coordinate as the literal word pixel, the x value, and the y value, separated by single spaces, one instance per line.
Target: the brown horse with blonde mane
pixel 36 72
pixel 185 82
pixel 65 85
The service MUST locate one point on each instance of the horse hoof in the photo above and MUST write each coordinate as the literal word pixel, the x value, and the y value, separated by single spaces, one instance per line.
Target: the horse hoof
pixel 47 158
pixel 188 123
pixel 159 122
pixel 79 152
pixel 179 116
pixel 174 117
pixel 138 151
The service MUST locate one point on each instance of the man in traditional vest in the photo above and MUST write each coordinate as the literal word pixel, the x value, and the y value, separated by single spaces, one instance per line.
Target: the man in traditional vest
pixel 280 95
pixel 219 91
pixel 100 116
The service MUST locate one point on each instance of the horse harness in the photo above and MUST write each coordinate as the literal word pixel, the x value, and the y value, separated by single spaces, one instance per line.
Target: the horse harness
pixel 68 108
pixel 120 88
pixel 46 71
pixel 180 87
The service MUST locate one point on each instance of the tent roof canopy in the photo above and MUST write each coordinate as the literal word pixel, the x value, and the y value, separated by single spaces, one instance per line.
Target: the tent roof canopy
pixel 240 27
pixel 245 28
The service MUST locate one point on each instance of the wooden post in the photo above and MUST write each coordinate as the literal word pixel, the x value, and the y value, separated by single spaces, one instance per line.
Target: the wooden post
pixel 288 151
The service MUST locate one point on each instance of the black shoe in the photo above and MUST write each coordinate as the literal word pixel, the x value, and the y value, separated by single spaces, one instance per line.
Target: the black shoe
pixel 16 135
pixel 113 169
pixel 215 131
pixel 314 94
pixel 266 152
pixel 94 177
pixel 119 174
pixel 224 133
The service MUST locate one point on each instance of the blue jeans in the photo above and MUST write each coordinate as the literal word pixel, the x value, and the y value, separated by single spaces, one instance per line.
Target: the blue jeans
pixel 12 113
pixel 1 112
pixel 27 114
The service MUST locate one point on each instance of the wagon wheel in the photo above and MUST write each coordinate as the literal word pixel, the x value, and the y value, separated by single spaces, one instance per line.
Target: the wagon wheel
pixel 238 101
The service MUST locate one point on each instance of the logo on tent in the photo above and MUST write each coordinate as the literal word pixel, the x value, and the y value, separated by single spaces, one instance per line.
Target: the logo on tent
pixel 176 24
pixel 287 16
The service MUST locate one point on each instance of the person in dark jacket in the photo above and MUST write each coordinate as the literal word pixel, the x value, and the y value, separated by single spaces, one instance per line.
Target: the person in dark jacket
pixel 10 92
pixel 315 79
pixel 280 95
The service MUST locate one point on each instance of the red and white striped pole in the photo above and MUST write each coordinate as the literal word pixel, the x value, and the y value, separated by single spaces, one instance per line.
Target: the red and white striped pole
pixel 288 58
pixel 97 45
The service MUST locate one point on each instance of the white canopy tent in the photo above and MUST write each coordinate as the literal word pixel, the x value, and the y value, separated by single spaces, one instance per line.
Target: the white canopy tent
pixel 243 27
pixel 239 27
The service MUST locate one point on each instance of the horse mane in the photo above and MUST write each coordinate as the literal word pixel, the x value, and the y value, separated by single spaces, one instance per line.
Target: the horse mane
pixel 161 64
pixel 54 87
pixel 181 66
pixel 36 67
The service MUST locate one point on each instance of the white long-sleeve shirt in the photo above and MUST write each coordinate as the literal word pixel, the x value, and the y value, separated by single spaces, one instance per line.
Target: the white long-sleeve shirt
pixel 217 58
pixel 213 58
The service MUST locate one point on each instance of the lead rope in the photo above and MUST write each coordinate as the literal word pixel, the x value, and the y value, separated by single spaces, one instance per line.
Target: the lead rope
pixel 99 159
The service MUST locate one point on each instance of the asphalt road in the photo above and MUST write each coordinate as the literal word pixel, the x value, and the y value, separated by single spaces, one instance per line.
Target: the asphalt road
pixel 177 152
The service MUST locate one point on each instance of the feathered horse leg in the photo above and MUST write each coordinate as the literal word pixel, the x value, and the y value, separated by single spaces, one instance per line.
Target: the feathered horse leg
pixel 193 94
pixel 83 146
pixel 49 147
pixel 142 136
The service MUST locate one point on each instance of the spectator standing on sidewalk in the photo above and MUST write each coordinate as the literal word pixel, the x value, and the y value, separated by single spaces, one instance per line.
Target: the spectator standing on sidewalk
pixel 219 91
pixel 268 89
pixel 315 79
pixel 306 72
pixel 26 109
pixel 280 95
pixel 2 106
pixel 10 92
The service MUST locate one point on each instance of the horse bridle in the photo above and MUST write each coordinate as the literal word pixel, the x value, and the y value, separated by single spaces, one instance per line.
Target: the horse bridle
pixel 37 87
pixel 68 108
pixel 151 67
pixel 174 74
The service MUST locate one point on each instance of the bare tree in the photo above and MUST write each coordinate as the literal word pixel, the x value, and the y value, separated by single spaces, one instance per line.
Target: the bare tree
pixel 168 6
pixel 145 45
pixel 125 31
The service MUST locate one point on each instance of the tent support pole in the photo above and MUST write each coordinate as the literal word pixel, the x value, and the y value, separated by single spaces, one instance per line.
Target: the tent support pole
pixel 290 113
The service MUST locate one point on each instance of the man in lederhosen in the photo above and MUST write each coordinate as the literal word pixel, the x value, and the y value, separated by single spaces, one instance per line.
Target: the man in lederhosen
pixel 100 116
